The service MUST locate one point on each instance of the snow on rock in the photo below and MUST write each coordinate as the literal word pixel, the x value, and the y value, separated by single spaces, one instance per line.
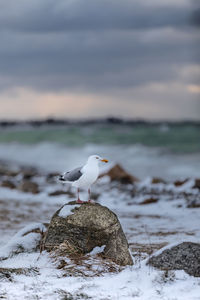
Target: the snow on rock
pixel 171 245
pixel 67 210
pixel 97 250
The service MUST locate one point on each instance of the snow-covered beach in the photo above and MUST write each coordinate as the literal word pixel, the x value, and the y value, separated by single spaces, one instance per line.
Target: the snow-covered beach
pixel 160 210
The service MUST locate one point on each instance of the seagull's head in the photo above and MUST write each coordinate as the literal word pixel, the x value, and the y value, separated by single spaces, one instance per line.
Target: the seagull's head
pixel 96 159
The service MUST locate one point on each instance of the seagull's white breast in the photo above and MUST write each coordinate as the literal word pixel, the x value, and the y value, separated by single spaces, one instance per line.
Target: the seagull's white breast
pixel 90 175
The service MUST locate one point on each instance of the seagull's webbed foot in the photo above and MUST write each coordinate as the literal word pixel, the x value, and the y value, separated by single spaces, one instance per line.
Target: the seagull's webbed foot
pixel 91 201
pixel 79 201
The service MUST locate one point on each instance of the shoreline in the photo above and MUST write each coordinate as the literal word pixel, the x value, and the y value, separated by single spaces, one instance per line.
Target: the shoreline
pixel 88 121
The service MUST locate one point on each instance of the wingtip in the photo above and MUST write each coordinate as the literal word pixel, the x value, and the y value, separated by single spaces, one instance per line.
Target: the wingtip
pixel 61 178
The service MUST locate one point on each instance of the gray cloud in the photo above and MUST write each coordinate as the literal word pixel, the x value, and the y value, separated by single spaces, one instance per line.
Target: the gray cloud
pixel 95 45
pixel 94 61
pixel 49 15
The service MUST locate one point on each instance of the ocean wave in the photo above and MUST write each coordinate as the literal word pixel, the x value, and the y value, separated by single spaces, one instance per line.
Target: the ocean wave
pixel 140 160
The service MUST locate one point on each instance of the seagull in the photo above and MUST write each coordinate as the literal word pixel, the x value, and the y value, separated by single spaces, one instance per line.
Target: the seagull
pixel 85 176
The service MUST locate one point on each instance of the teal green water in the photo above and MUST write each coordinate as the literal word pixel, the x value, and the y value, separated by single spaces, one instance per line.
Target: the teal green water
pixel 185 138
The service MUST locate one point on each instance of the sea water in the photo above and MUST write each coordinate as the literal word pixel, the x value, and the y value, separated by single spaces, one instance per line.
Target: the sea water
pixel 163 150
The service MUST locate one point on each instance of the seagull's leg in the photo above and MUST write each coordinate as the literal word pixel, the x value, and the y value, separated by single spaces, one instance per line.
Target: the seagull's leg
pixel 89 199
pixel 78 200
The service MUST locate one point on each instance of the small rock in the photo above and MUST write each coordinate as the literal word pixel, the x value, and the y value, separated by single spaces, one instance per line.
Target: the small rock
pixel 197 184
pixel 29 173
pixel 8 184
pixel 180 182
pixel 185 256
pixel 149 201
pixel 61 192
pixel 117 173
pixel 52 177
pixel 29 187
pixel 6 171
pixel 76 229
pixel 194 203
pixel 157 180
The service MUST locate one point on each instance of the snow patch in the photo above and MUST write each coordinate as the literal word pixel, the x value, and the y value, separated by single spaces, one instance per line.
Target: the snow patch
pixel 21 242
pixel 97 250
pixel 67 210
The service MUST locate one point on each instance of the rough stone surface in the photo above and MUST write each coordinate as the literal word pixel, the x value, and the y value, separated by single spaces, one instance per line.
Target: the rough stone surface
pixel 85 227
pixel 185 256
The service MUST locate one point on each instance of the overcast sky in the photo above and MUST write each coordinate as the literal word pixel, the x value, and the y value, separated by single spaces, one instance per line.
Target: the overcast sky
pixel 86 58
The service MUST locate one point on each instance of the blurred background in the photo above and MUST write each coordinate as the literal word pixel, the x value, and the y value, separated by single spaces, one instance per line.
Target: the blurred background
pixel 116 78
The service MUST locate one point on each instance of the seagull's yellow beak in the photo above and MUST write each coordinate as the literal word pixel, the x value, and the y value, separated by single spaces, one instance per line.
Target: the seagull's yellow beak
pixel 104 160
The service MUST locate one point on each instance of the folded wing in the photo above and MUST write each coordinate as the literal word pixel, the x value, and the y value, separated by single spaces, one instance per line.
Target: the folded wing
pixel 71 175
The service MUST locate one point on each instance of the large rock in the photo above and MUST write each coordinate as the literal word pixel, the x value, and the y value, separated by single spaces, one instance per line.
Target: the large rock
pixel 79 228
pixel 185 256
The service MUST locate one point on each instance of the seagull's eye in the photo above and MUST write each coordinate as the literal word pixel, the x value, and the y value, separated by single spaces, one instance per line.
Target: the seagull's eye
pixel 97 157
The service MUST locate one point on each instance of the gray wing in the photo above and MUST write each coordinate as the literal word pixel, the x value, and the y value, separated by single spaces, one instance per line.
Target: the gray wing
pixel 71 175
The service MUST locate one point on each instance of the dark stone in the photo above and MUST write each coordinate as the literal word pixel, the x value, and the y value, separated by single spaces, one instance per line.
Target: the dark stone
pixel 61 192
pixel 180 182
pixel 149 201
pixel 85 227
pixel 52 177
pixel 8 184
pixel 29 187
pixel 29 173
pixel 194 203
pixel 157 180
pixel 5 171
pixel 197 184
pixel 185 256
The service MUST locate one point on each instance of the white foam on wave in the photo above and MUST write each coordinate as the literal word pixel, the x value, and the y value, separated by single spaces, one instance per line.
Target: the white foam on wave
pixel 140 160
